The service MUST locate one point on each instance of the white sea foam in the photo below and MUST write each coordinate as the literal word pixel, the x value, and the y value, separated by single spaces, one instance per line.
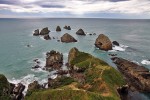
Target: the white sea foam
pixel 145 62
pixel 26 80
pixel 119 48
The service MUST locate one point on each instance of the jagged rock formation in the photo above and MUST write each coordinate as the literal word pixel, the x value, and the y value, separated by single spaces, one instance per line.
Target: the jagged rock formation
pixel 67 38
pixel 80 32
pixel 34 86
pixel 44 31
pixel 54 60
pixel 136 75
pixel 58 29
pixel 36 32
pixel 9 91
pixel 103 43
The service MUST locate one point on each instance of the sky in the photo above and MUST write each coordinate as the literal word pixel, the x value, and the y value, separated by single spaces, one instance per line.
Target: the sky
pixel 128 9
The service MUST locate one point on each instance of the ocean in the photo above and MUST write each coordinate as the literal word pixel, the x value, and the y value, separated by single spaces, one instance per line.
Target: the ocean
pixel 16 59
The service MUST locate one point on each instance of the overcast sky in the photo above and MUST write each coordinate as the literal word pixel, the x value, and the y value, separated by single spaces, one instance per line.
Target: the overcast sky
pixel 75 8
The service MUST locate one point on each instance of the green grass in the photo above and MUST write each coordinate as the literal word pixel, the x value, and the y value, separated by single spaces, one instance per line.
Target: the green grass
pixel 101 81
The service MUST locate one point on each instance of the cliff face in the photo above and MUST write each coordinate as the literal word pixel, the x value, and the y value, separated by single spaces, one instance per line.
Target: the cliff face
pixel 90 79
pixel 136 75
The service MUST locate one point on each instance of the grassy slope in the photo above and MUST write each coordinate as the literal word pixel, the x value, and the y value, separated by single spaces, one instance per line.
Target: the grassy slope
pixel 101 81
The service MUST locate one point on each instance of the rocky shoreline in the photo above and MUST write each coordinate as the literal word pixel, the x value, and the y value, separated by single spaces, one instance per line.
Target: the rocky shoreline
pixel 89 76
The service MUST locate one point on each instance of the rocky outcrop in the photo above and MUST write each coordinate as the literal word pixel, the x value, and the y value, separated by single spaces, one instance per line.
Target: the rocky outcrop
pixel 44 31
pixel 67 38
pixel 67 27
pixel 9 91
pixel 54 60
pixel 72 54
pixel 36 32
pixel 80 32
pixel 47 37
pixel 58 29
pixel 18 91
pixel 137 76
pixel 34 86
pixel 115 43
pixel 103 43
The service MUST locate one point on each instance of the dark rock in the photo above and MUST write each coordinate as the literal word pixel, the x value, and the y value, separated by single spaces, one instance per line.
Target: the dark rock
pixel 33 86
pixel 103 43
pixel 28 45
pixel 58 29
pixel 137 76
pixel 112 54
pixel 53 37
pixel 67 27
pixel 90 34
pixel 58 40
pixel 123 92
pixel 47 37
pixel 36 32
pixel 115 43
pixel 12 86
pixel 67 38
pixel 44 31
pixel 36 67
pixel 54 60
pixel 80 32
pixel 62 72
pixel 18 91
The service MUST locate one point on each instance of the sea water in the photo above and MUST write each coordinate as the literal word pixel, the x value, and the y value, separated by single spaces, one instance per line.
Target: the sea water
pixel 16 59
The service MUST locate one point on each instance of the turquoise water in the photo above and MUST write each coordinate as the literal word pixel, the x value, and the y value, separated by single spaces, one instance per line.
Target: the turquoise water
pixel 16 59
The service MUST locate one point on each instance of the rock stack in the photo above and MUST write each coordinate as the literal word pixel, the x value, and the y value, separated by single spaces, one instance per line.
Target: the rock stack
pixel 103 43
pixel 67 38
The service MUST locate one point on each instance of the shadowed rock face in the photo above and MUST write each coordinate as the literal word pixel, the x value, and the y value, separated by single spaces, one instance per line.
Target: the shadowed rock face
pixel 54 60
pixel 136 75
pixel 47 37
pixel 58 29
pixel 115 43
pixel 44 31
pixel 33 86
pixel 80 32
pixel 36 32
pixel 67 38
pixel 103 43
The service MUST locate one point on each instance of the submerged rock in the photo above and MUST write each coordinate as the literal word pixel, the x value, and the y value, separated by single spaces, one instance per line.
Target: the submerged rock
pixel 44 31
pixel 115 43
pixel 136 75
pixel 54 60
pixel 36 32
pixel 103 43
pixel 80 32
pixel 58 29
pixel 67 38
pixel 47 37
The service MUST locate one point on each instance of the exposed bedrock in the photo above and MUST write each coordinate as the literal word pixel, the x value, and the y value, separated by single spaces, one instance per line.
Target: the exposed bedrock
pixel 54 60
pixel 80 32
pixel 137 76
pixel 67 38
pixel 36 32
pixel 44 31
pixel 103 42
pixel 58 29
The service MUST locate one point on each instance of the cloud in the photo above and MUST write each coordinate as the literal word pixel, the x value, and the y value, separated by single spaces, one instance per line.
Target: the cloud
pixel 77 7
